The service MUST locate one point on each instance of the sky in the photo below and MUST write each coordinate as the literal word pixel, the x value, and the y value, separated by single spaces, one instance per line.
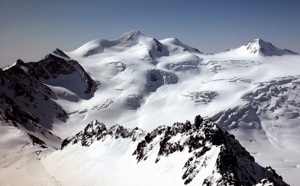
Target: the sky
pixel 30 29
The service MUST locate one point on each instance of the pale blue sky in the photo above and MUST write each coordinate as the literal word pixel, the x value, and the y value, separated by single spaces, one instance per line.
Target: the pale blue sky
pixel 30 29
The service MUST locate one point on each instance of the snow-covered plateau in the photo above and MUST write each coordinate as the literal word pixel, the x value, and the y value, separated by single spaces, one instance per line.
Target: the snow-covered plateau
pixel 122 112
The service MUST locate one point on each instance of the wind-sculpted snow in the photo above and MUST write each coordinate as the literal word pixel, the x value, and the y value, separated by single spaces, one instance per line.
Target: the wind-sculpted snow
pixel 272 106
pixel 243 116
pixel 211 152
pixel 278 103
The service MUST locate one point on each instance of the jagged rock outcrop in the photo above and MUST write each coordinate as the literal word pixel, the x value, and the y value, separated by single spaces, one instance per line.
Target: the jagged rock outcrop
pixel 26 103
pixel 198 121
pixel 25 99
pixel 57 64
pixel 96 131
pixel 211 151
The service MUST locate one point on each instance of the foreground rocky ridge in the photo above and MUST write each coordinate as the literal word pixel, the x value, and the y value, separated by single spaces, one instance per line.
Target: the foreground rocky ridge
pixel 233 165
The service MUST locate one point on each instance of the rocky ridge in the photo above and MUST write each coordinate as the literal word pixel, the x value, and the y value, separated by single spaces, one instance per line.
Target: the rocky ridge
pixel 26 100
pixel 233 165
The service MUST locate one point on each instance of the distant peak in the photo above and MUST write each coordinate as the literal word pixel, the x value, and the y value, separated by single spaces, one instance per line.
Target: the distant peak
pixel 60 53
pixel 175 39
pixel 132 34
pixel 57 50
pixel 259 46
pixel 259 42
pixel 135 32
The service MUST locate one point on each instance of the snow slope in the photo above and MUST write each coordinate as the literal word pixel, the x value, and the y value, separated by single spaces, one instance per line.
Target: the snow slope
pixel 251 91
pixel 20 158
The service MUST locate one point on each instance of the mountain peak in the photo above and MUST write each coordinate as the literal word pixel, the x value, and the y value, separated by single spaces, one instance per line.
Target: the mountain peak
pixel 132 35
pixel 259 40
pixel 261 47
pixel 20 62
pixel 60 53
pixel 261 43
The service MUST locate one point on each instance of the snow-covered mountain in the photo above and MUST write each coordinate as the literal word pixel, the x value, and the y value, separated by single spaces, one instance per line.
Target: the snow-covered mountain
pixel 260 47
pixel 26 100
pixel 151 47
pixel 143 83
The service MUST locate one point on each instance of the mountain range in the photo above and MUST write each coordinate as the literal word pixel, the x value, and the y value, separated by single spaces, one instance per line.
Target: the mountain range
pixel 138 86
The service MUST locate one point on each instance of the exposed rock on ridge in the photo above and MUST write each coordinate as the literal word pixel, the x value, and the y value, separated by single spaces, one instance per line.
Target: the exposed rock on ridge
pixel 27 102
pixel 96 131
pixel 58 64
pixel 233 165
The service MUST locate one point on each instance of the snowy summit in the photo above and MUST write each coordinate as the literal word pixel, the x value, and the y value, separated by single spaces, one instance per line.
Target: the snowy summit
pixel 262 48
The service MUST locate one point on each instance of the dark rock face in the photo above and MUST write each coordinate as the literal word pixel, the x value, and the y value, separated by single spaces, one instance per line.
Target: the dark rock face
pixel 25 103
pixel 25 99
pixel 198 121
pixel 52 66
pixel 159 46
pixel 57 64
pixel 233 165
pixel 60 53
pixel 37 141
pixel 23 95
pixel 96 131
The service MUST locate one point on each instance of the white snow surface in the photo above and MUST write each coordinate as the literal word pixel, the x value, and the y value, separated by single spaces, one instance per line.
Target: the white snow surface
pixel 146 83
pixel 19 159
